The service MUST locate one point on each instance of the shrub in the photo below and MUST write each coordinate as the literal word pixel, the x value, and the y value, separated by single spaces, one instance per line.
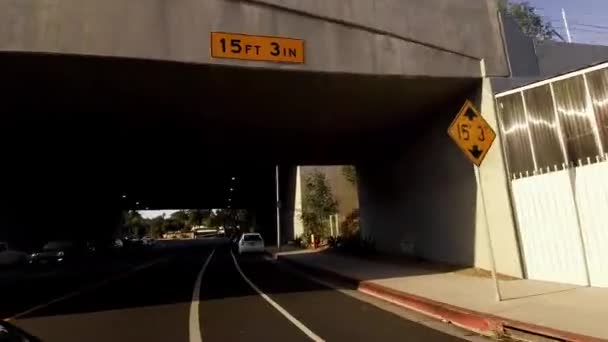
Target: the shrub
pixel 318 204
pixel 350 225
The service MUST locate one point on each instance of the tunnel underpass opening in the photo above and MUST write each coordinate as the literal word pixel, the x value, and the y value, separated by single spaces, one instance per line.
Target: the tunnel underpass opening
pixel 84 131
pixel 187 223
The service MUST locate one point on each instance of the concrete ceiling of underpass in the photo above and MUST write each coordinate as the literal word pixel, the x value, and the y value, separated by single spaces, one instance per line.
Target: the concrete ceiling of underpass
pixel 152 107
pixel 172 134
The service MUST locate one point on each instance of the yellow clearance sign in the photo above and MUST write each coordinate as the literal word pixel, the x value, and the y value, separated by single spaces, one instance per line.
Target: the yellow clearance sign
pixel 257 48
pixel 472 133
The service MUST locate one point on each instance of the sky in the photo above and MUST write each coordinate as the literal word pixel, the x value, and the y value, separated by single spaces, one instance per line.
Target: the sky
pixel 588 19
pixel 148 214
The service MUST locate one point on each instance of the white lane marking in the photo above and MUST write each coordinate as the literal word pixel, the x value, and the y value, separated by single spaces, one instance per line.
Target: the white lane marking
pixel 282 311
pixel 85 289
pixel 195 323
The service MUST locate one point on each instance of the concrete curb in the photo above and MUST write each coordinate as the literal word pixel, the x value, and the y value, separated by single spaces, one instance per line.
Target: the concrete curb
pixel 478 322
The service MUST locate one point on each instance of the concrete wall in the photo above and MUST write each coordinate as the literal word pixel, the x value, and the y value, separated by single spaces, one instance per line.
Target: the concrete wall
pixel 465 27
pixel 425 202
pixel 417 37
pixel 289 198
pixel 520 49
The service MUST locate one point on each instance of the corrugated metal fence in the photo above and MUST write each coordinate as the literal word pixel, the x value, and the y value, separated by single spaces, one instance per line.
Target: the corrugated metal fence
pixel 555 136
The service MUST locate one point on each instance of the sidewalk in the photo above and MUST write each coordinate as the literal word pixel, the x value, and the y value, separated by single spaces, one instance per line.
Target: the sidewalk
pixel 561 311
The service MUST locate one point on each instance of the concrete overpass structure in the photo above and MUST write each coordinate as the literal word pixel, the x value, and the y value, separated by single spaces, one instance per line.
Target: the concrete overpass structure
pixel 114 96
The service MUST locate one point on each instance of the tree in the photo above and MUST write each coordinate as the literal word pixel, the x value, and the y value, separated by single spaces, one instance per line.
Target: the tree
pixel 350 226
pixel 350 173
pixel 530 22
pixel 157 227
pixel 180 218
pixel 134 224
pixel 318 204
pixel 172 225
pixel 196 216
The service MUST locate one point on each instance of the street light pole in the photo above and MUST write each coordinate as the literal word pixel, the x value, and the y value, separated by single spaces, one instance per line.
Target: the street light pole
pixel 566 25
pixel 278 204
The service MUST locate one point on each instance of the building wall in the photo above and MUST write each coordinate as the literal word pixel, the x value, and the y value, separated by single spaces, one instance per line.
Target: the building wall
pixel 530 62
pixel 417 37
pixel 557 58
pixel 521 53
pixel 425 201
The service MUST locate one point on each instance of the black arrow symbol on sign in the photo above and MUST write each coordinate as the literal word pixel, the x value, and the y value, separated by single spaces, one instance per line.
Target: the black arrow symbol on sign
pixel 470 114
pixel 476 152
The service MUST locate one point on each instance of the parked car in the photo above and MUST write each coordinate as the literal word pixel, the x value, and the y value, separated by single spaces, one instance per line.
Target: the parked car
pixel 251 243
pixel 118 243
pixel 57 252
pixel 148 241
pixel 10 257
pixel 132 243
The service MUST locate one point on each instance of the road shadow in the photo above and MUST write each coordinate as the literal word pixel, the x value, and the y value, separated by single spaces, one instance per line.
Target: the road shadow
pixel 29 288
pixel 167 285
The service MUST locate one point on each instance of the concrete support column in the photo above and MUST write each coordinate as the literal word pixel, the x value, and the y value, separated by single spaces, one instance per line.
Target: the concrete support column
pixel 423 201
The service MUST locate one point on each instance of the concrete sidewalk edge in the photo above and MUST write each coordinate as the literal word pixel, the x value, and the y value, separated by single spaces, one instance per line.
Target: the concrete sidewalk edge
pixel 478 322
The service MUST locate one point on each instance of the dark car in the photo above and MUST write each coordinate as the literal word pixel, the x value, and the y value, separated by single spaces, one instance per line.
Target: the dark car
pixel 58 252
pixel 10 333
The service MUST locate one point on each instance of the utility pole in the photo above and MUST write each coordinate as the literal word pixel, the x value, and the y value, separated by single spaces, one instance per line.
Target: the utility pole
pixel 566 26
pixel 278 203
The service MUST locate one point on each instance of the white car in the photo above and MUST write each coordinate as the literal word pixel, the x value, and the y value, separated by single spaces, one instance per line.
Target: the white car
pixel 251 243
pixel 148 241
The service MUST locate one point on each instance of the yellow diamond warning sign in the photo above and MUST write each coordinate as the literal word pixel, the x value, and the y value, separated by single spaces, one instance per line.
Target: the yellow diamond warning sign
pixel 472 133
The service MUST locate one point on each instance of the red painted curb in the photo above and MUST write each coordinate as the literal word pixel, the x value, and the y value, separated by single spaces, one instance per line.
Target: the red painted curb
pixel 479 322
pixel 464 318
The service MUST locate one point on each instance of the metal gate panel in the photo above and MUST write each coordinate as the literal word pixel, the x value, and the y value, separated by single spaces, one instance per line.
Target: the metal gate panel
pixel 548 224
pixel 592 199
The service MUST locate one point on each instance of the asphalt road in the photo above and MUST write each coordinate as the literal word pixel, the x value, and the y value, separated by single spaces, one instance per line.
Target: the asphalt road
pixel 246 298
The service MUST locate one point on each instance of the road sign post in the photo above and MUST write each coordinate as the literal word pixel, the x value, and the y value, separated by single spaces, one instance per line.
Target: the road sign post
pixel 278 198
pixel 474 136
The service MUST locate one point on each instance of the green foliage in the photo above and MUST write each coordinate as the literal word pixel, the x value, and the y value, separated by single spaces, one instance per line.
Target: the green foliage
pixel 196 216
pixel 333 241
pixel 298 241
pixel 350 173
pixel 318 204
pixel 157 227
pixel 530 22
pixel 134 224
pixel 350 225
pixel 182 220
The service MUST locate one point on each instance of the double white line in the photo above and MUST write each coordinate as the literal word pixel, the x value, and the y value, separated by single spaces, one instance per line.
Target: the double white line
pixel 195 328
